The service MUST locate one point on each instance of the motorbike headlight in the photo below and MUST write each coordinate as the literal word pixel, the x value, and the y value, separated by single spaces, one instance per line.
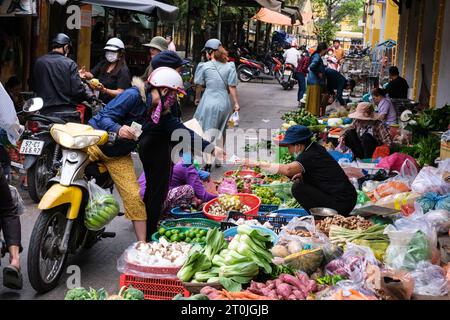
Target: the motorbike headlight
pixel 74 142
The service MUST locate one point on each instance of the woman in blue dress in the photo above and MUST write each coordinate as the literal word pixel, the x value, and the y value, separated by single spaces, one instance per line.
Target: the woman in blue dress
pixel 218 76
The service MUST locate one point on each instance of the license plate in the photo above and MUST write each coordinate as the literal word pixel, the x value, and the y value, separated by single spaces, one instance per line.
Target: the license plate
pixel 287 72
pixel 33 147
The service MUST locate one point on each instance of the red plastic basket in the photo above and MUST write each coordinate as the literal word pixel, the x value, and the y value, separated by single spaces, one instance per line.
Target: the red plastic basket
pixel 155 289
pixel 242 173
pixel 246 198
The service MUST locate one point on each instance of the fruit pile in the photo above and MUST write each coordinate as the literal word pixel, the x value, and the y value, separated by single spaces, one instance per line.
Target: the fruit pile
pixel 193 235
pixel 267 196
pixel 100 211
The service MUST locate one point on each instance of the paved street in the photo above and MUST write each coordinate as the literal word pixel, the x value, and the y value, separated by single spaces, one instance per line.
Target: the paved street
pixel 98 265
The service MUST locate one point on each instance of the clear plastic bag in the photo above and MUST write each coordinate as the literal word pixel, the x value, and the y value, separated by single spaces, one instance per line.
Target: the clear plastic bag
pixel 234 119
pixel 430 179
pixel 408 171
pixel 429 280
pixel 412 240
pixel 18 201
pixel 347 290
pixel 101 209
pixel 440 219
pixel 228 186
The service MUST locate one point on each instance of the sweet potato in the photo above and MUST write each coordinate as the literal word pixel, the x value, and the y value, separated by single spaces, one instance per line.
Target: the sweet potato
pixel 291 297
pixel 293 281
pixel 267 292
pixel 298 294
pixel 284 290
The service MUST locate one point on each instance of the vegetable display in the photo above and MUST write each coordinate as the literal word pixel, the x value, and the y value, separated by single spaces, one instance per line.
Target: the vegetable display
pixel 267 196
pixel 343 235
pixel 125 293
pixel 192 235
pixel 351 223
pixel 301 117
pixel 227 203
pixel 214 294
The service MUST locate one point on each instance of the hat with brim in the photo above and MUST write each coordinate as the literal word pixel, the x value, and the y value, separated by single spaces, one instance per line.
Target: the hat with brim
pixel 111 48
pixel 167 58
pixel 295 135
pixel 364 111
pixel 157 43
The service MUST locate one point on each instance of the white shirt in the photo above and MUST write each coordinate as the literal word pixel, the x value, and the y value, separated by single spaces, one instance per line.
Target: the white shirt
pixel 8 117
pixel 292 56
pixel 172 46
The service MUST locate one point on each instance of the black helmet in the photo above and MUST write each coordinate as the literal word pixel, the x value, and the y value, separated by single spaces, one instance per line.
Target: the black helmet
pixel 62 39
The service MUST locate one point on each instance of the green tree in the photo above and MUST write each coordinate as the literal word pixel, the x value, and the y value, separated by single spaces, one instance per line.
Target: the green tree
pixel 331 13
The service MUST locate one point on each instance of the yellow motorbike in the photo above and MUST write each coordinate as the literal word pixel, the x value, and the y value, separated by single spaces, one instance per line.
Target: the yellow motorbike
pixel 60 229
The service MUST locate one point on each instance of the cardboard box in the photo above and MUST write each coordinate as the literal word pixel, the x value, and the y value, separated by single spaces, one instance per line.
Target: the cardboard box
pixel 445 150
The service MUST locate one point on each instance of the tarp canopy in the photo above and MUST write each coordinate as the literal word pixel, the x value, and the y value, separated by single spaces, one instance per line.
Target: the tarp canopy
pixel 164 11
pixel 274 5
pixel 269 16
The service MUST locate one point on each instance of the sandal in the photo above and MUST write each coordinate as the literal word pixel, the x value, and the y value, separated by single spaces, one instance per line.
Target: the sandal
pixel 12 278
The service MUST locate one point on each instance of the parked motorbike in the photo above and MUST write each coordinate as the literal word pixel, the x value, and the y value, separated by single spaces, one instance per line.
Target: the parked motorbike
pixel 249 70
pixel 42 154
pixel 287 80
pixel 60 229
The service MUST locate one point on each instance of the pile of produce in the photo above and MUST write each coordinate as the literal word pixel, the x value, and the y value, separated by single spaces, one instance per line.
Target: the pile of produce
pixel 193 235
pixel 251 222
pixel 232 265
pixel 100 211
pixel 157 254
pixel 286 287
pixel 342 235
pixel 267 196
pixel 125 293
pixel 196 206
pixel 293 203
pixel 301 117
pixel 226 203
pixel 214 294
pixel 299 233
pixel 351 223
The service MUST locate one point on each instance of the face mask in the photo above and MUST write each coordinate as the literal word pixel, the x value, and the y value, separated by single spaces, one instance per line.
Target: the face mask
pixel 297 153
pixel 170 100
pixel 111 56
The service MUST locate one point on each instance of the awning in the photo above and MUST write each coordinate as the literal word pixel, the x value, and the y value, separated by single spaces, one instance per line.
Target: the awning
pixel 164 11
pixel 274 5
pixel 269 16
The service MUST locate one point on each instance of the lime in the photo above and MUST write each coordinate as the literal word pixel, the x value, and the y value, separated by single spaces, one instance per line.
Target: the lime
pixel 203 232
pixel 194 240
pixel 198 235
pixel 175 231
pixel 188 240
pixel 182 236
pixel 203 239
pixel 162 231
pixel 168 234
pixel 174 238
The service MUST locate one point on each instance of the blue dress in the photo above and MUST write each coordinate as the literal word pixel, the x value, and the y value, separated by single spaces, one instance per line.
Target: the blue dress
pixel 215 109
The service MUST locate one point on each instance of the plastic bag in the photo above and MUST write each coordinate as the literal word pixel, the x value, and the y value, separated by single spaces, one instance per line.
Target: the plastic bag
pixel 440 219
pixel 347 290
pixel 142 184
pixel 381 152
pixel 101 209
pixel 395 161
pixel 430 179
pixel 443 203
pixel 234 119
pixel 429 280
pixel 228 186
pixel 353 263
pixel 389 188
pixel 362 198
pixel 428 201
pixel 412 240
pixel 397 284
pixel 397 201
pixel 408 171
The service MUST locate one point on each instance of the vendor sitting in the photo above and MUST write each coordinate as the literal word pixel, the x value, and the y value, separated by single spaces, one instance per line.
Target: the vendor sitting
pixel 337 82
pixel 366 133
pixel 186 185
pixel 386 110
pixel 319 181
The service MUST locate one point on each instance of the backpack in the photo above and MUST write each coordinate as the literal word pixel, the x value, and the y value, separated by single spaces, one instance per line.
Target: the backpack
pixel 303 65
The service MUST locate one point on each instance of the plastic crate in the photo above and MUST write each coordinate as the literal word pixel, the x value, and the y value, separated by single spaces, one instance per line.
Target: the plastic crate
pixel 277 222
pixel 180 214
pixel 268 207
pixel 291 213
pixel 188 222
pixel 155 289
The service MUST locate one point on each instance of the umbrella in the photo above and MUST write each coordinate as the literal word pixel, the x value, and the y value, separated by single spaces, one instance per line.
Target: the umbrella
pixel 164 11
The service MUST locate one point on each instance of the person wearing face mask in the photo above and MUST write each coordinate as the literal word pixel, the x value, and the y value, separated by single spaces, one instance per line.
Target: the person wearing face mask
pixel 56 78
pixel 319 180
pixel 112 72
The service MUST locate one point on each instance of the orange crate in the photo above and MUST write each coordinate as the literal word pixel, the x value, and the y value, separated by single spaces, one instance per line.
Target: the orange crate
pixel 154 288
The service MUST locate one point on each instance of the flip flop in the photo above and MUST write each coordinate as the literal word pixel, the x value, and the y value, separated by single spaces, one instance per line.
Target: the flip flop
pixel 12 278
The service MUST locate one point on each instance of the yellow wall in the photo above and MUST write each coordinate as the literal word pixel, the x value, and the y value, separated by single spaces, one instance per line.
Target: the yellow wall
pixel 392 22
pixel 374 24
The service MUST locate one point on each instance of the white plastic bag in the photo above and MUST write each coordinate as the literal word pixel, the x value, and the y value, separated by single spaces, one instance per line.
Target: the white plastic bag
pixel 18 201
pixel 440 219
pixel 408 171
pixel 101 209
pixel 234 119
pixel 430 179
pixel 429 280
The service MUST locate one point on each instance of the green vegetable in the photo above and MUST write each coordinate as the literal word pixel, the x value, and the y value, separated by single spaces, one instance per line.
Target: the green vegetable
pixel 131 293
pixel 329 280
pixel 278 270
pixel 194 297
pixel 343 235
pixel 196 261
pixel 419 249
pixel 77 294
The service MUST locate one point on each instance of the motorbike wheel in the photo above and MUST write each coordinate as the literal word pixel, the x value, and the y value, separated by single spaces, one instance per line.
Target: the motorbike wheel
pixel 45 261
pixel 39 174
pixel 243 76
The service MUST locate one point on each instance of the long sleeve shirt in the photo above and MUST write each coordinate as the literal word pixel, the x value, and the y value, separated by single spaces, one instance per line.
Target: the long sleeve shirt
pixel 376 128
pixel 183 174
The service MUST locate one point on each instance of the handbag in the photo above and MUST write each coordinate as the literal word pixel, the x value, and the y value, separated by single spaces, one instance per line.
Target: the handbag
pixel 226 83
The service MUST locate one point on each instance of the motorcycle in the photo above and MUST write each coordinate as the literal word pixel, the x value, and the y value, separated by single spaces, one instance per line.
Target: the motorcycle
pixel 287 80
pixel 60 229
pixel 42 154
pixel 249 70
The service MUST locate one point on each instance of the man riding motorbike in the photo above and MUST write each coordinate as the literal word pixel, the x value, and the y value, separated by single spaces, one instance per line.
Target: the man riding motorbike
pixel 57 80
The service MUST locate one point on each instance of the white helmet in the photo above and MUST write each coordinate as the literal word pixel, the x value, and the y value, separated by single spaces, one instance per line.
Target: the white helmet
pixel 114 44
pixel 166 77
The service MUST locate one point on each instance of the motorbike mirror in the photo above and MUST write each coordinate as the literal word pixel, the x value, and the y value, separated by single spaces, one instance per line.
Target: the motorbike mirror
pixel 33 105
